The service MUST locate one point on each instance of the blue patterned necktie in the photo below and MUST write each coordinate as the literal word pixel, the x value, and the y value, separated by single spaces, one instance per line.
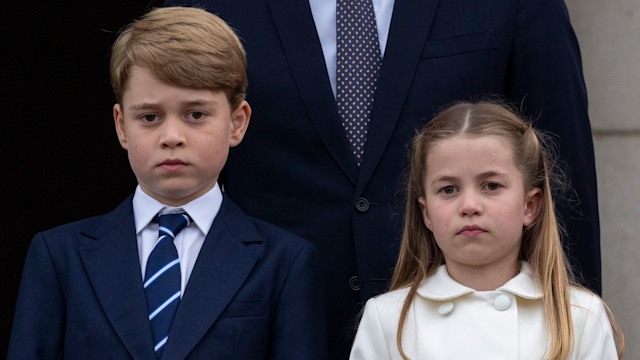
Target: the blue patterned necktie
pixel 162 278
pixel 358 66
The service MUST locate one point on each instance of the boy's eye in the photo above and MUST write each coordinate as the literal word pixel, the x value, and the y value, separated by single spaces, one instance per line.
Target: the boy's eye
pixel 149 117
pixel 197 115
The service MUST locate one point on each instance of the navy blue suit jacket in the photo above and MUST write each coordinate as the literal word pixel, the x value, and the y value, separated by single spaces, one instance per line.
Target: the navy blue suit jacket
pixel 295 168
pixel 254 293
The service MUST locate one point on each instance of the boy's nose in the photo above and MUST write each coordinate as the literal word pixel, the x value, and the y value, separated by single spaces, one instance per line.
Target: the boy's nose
pixel 172 133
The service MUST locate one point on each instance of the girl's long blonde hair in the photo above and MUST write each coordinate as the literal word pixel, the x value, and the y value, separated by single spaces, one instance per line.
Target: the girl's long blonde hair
pixel 541 244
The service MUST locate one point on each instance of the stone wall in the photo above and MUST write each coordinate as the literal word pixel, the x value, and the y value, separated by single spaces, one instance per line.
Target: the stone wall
pixel 609 36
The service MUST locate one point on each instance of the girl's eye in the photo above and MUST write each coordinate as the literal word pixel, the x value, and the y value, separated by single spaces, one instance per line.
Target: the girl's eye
pixel 448 190
pixel 493 186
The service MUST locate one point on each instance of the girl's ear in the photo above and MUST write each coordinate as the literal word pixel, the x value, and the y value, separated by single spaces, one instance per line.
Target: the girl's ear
pixel 425 214
pixel 239 122
pixel 532 206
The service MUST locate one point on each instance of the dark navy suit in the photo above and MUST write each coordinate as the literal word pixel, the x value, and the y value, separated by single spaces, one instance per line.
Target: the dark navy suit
pixel 255 293
pixel 295 168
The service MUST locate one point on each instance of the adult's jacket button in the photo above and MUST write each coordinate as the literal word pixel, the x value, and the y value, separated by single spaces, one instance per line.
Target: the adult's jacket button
pixel 354 283
pixel 502 302
pixel 362 205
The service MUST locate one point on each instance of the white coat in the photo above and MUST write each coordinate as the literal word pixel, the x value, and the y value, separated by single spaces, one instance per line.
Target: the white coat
pixel 450 321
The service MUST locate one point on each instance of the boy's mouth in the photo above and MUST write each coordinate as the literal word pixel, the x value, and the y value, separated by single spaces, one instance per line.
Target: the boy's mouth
pixel 172 164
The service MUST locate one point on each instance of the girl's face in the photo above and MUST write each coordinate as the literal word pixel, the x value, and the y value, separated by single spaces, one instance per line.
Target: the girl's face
pixel 475 203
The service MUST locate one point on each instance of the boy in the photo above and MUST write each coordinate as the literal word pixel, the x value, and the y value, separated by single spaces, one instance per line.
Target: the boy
pixel 228 286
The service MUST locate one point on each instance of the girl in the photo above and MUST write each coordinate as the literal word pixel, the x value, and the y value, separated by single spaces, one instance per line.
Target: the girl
pixel 481 272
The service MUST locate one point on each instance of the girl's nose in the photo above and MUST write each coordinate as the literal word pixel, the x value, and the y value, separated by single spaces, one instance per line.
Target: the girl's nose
pixel 470 204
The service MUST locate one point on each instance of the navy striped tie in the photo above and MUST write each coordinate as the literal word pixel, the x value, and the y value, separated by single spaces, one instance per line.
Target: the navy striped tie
pixel 162 278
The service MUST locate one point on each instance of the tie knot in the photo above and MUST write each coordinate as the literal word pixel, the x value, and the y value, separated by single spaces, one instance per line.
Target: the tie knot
pixel 172 224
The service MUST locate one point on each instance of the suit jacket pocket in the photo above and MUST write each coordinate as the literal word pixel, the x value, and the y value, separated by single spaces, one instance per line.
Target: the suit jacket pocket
pixel 246 308
pixel 460 44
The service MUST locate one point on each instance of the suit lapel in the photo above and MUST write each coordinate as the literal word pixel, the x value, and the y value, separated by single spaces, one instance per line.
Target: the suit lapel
pixel 223 265
pixel 113 267
pixel 408 32
pixel 296 29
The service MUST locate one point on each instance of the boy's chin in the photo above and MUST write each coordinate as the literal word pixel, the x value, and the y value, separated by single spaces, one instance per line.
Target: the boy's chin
pixel 175 196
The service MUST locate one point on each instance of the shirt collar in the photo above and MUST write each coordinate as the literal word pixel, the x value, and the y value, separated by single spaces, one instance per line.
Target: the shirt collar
pixel 440 286
pixel 202 210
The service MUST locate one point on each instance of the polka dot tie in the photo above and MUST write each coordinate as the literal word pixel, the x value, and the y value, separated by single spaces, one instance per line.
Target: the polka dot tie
pixel 358 66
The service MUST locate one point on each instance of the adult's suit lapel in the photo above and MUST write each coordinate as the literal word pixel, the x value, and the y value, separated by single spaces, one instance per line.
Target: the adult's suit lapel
pixel 408 32
pixel 223 265
pixel 113 267
pixel 296 29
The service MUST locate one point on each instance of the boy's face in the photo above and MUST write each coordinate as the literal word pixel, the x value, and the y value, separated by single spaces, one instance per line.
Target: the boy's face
pixel 177 138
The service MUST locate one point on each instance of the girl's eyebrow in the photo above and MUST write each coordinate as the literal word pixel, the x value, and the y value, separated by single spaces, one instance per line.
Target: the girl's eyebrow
pixel 444 178
pixel 489 174
pixel 484 175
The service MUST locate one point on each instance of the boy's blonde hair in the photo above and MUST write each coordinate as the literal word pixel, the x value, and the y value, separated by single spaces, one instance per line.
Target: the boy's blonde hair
pixel 541 246
pixel 182 46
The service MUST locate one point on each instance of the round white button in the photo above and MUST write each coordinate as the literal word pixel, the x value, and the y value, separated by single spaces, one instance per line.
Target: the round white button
pixel 502 302
pixel 445 309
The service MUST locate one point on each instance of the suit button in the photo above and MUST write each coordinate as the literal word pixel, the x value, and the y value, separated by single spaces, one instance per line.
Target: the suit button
pixel 354 283
pixel 502 302
pixel 362 205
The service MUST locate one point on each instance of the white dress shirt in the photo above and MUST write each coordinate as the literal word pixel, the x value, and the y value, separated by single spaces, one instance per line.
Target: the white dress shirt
pixel 324 16
pixel 202 211
pixel 450 321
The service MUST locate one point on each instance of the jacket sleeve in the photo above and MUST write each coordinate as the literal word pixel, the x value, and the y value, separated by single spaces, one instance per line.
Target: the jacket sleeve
pixel 38 323
pixel 546 73
pixel 592 330
pixel 370 342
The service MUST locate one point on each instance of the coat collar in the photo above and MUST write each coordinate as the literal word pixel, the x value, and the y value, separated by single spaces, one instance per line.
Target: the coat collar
pixel 440 286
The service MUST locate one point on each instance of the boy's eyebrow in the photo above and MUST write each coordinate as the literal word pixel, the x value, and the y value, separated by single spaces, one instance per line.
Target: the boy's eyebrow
pixel 142 106
pixel 201 102
pixel 148 105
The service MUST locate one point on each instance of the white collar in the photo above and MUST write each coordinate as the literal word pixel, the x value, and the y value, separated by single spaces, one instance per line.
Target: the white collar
pixel 440 286
pixel 202 210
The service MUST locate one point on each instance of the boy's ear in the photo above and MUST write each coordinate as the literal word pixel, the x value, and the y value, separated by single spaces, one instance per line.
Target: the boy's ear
pixel 118 119
pixel 532 206
pixel 239 123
